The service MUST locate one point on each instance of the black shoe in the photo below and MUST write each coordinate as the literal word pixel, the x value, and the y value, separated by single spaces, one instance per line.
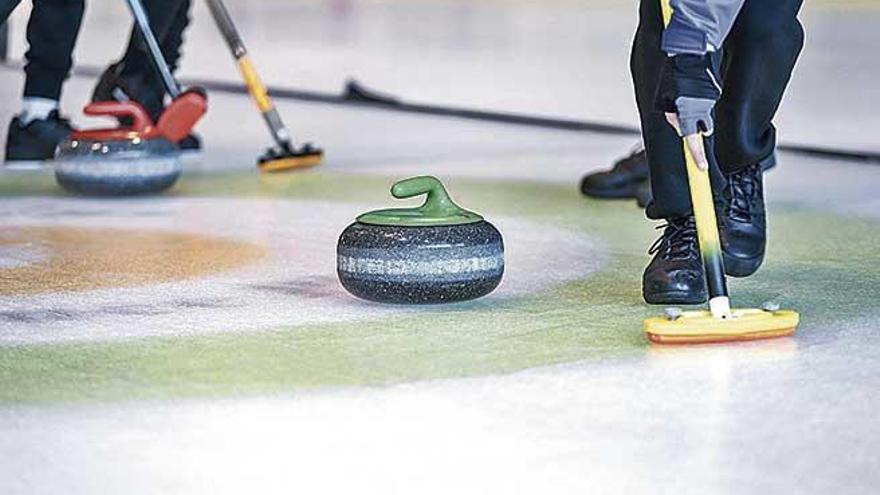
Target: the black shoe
pixel 643 193
pixel 38 139
pixel 621 181
pixel 144 89
pixel 676 274
pixel 743 221
pixel 192 143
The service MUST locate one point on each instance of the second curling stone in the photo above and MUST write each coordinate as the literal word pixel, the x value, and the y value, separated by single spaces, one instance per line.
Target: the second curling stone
pixel 435 253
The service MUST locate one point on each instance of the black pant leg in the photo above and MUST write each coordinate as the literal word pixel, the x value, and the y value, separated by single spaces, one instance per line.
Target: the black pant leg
pixel 662 144
pixel 6 8
pixel 163 15
pixel 172 42
pixel 760 54
pixel 51 34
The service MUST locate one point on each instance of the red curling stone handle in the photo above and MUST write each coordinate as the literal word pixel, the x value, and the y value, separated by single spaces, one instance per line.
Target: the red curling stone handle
pixel 133 110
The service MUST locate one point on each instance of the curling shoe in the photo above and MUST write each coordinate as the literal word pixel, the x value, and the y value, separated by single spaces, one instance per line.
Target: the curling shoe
pixel 622 181
pixel 742 222
pixel 36 140
pixel 676 274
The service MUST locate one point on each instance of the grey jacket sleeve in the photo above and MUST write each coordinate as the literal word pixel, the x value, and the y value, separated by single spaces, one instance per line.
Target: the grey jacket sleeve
pixel 699 26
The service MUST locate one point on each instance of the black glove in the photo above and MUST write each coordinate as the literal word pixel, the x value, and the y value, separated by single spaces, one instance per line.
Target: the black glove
pixel 689 89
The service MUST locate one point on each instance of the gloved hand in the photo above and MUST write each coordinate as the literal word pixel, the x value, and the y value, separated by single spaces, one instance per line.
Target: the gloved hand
pixel 688 92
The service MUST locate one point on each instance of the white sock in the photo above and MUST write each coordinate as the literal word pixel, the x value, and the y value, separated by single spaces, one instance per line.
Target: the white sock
pixel 36 109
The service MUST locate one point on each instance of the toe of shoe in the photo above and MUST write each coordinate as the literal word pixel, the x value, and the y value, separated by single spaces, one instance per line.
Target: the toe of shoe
pixel 674 287
pixel 605 185
pixel 739 266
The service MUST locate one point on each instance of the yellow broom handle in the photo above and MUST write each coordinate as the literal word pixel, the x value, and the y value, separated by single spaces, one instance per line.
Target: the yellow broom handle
pixel 701 194
pixel 703 204
pixel 254 84
pixel 667 11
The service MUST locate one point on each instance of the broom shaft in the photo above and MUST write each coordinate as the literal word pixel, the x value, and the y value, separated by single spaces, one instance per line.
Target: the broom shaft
pixel 255 86
pixel 704 213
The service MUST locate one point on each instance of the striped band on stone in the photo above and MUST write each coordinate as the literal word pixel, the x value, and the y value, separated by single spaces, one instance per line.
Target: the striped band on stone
pixel 397 267
pixel 420 265
pixel 121 166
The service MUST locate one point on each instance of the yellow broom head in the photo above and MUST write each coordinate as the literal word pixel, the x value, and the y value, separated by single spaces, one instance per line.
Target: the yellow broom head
pixel 700 327
pixel 276 160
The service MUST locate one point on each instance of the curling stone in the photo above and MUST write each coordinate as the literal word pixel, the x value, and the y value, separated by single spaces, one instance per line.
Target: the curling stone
pixel 436 253
pixel 125 161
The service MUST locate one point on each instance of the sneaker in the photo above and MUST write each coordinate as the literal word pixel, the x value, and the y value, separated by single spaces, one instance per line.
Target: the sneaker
pixel 676 274
pixel 743 221
pixel 622 181
pixel 37 140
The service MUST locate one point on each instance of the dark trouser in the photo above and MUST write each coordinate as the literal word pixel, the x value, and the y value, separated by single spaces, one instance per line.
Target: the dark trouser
pixel 51 35
pixel 6 8
pixel 168 19
pixel 757 60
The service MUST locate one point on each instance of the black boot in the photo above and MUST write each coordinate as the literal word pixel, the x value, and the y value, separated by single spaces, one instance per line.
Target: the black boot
pixel 621 181
pixel 676 274
pixel 743 221
pixel 38 139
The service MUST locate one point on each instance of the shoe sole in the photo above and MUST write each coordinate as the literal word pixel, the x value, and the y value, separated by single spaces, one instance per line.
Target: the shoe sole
pixel 741 267
pixel 675 297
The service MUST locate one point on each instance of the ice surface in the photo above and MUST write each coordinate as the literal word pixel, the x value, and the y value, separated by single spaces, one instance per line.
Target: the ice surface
pixel 761 418
pixel 296 285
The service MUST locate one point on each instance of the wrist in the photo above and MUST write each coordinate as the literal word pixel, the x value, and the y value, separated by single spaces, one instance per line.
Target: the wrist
pixel 680 38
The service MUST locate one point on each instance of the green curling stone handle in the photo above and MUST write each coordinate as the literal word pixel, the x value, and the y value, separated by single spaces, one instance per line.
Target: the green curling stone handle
pixel 438 209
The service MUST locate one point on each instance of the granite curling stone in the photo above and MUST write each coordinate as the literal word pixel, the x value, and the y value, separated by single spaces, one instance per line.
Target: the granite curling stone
pixel 436 253
pixel 118 161
pixel 117 167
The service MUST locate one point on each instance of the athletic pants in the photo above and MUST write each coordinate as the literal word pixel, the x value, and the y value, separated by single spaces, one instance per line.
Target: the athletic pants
pixel 757 60
pixel 51 35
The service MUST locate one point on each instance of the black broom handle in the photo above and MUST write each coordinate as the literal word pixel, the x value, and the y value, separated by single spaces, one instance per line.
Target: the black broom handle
pixel 227 28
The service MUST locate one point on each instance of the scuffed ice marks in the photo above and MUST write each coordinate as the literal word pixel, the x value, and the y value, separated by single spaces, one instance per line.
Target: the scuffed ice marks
pixel 57 315
pixel 30 209
pixel 321 287
pixel 294 285
pixel 21 255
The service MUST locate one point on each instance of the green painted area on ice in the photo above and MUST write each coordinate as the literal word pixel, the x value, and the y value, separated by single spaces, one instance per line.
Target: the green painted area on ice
pixel 598 318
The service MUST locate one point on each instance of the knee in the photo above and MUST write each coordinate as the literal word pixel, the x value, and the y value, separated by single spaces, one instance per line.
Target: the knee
pixel 769 25
pixel 758 30
pixel 784 39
